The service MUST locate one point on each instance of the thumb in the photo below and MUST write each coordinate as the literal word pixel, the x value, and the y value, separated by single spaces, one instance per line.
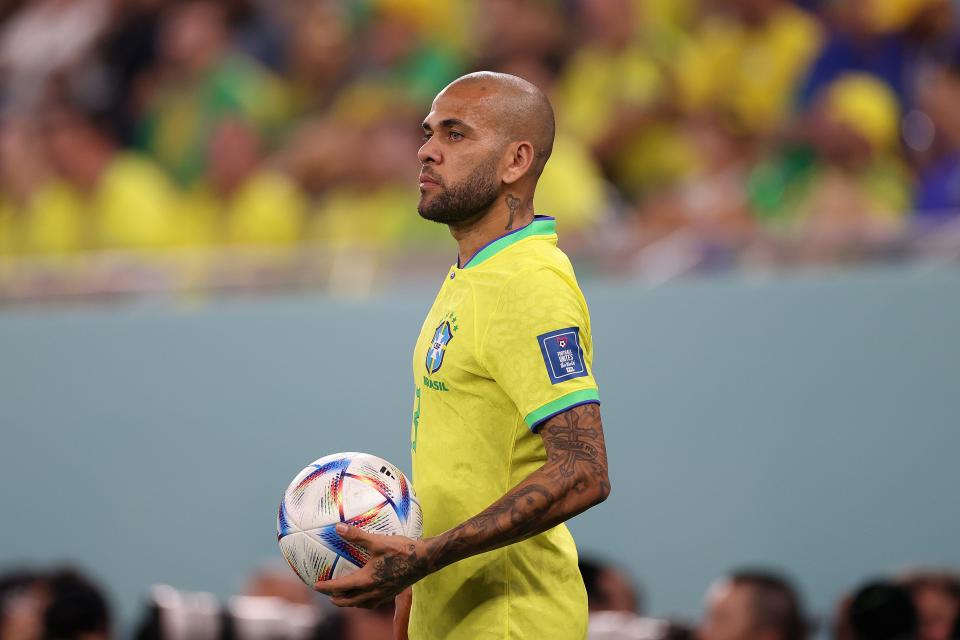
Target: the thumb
pixel 353 534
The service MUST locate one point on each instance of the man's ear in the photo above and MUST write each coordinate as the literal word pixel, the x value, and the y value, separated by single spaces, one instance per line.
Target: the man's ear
pixel 520 158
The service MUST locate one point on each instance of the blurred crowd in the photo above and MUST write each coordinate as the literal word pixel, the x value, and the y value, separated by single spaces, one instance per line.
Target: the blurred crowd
pixel 691 132
pixel 746 604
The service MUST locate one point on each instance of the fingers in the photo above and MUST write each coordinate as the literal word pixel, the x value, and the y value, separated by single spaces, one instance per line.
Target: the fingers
pixel 359 580
pixel 356 534
pixel 362 600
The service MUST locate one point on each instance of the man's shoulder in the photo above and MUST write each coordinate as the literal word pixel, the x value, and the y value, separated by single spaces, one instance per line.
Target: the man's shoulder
pixel 525 279
pixel 531 258
pixel 535 280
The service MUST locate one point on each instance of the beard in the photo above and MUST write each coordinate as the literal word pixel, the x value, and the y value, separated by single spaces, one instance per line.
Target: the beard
pixel 464 201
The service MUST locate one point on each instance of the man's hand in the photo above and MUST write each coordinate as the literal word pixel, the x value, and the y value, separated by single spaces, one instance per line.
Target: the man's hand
pixel 395 563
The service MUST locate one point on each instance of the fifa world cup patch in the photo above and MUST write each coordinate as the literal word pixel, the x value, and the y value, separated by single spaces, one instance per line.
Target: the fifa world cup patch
pixel 562 354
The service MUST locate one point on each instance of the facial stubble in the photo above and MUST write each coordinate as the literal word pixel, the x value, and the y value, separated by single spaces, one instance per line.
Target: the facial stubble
pixel 464 201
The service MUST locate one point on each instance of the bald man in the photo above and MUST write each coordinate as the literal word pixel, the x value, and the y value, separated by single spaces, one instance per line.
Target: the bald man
pixel 506 438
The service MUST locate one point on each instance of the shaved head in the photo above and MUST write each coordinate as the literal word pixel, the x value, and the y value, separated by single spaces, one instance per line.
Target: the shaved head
pixel 515 107
pixel 486 140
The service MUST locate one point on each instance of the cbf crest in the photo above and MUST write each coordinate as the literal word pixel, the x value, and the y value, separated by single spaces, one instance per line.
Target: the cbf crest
pixel 438 346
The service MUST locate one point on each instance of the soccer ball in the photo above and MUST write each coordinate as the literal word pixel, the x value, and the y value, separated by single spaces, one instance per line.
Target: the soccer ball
pixel 356 488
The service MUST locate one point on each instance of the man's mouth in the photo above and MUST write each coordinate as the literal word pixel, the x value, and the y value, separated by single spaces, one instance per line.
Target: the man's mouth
pixel 427 180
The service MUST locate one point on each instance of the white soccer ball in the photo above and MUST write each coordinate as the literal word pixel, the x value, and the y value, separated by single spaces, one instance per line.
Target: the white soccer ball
pixel 356 488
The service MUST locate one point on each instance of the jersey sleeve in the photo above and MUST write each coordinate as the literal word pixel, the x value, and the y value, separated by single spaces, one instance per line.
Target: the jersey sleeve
pixel 537 345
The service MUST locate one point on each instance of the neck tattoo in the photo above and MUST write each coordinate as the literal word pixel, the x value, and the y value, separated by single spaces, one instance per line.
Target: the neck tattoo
pixel 513 203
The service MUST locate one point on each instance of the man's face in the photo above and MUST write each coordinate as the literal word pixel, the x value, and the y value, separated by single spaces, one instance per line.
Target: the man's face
pixel 729 614
pixel 459 159
pixel 617 591
pixel 22 617
pixel 193 33
pixel 938 613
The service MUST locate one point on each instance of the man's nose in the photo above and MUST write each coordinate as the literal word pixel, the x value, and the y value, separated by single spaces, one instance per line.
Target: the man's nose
pixel 429 153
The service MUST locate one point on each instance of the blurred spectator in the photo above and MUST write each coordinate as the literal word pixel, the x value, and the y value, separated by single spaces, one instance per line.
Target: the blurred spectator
pixel 882 611
pixel 841 629
pixel 848 185
pixel 745 61
pixel 618 625
pixel 240 201
pixel 275 580
pixel 121 198
pixel 938 189
pixel 712 200
pixel 611 69
pixel 613 95
pixel 373 209
pixel 401 49
pixel 319 54
pixel 608 588
pixel 872 36
pixel 44 38
pixel 750 605
pixel 200 81
pixel 77 609
pixel 936 596
pixel 320 154
pixel 261 29
pixel 400 63
pixel 121 61
pixel 275 605
pixel 518 30
pixel 37 212
pixel 737 131
pixel 615 607
pixel 23 599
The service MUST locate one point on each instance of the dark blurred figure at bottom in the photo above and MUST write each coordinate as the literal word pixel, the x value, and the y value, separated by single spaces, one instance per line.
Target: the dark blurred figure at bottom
pixel 936 597
pixel 754 605
pixel 608 588
pixel 77 609
pixel 878 610
pixel 22 601
pixel 62 604
pixel 615 605
pixel 274 605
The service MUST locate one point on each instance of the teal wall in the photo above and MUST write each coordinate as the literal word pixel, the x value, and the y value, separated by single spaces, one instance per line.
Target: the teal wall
pixel 810 422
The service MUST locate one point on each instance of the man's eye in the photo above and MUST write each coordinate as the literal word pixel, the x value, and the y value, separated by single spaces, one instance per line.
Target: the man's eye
pixel 456 135
pixel 425 136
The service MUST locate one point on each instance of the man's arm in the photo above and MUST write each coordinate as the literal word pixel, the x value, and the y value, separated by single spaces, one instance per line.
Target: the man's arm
pixel 573 479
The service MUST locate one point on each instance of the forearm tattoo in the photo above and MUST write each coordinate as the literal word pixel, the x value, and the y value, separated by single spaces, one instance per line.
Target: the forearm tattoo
pixel 397 572
pixel 573 479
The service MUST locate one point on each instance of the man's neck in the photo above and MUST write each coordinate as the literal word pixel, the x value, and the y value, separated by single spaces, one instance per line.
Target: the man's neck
pixel 513 210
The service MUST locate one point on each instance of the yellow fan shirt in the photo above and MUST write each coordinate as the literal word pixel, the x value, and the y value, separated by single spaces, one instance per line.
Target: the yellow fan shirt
pixel 506 346
pixel 265 211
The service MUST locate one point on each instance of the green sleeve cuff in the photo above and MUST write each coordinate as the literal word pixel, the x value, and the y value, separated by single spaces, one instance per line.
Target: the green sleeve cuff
pixel 575 398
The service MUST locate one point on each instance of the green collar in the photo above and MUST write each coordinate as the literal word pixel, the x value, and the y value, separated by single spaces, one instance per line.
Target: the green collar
pixel 541 226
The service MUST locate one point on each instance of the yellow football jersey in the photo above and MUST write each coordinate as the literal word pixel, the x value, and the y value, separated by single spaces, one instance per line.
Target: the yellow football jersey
pixel 506 346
